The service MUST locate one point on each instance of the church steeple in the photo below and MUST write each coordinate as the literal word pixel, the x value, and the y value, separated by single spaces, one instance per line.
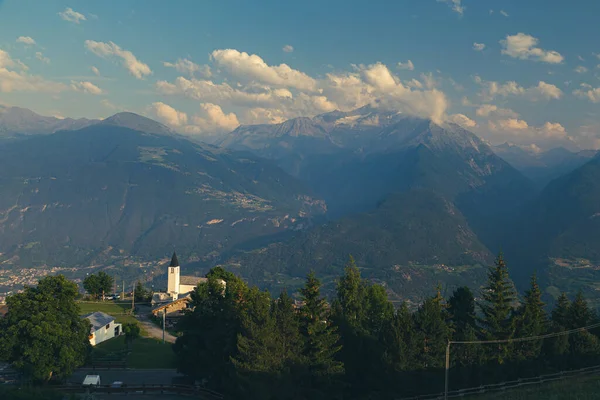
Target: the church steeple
pixel 174 261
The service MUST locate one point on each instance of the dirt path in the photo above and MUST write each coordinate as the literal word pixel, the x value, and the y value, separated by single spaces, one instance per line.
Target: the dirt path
pixel 153 330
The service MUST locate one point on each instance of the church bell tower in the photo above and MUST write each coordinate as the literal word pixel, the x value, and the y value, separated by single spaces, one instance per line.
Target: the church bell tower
pixel 173 277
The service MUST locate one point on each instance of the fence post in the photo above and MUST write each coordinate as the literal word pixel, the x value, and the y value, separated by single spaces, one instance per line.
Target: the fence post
pixel 447 371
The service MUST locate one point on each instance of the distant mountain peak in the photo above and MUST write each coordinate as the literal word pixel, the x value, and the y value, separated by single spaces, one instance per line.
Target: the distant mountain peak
pixel 137 122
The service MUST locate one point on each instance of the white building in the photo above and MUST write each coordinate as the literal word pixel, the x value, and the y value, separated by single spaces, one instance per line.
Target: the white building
pixel 103 327
pixel 179 285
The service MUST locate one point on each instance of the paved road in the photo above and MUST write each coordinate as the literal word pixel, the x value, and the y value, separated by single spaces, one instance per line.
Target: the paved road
pixel 153 330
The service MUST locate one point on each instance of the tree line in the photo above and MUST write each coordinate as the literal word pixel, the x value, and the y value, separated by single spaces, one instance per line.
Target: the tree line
pixel 240 341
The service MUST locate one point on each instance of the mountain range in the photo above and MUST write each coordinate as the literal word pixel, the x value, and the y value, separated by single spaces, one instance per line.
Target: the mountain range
pixel 413 201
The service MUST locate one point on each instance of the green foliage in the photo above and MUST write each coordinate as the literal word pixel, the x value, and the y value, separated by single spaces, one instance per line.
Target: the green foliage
pixel 99 284
pixel 321 341
pixel 141 293
pixel 531 320
pixel 432 333
pixel 42 335
pixel 132 331
pixel 497 307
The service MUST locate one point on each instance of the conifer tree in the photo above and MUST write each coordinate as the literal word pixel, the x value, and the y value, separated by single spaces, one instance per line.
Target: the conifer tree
pixel 399 341
pixel 581 344
pixel 432 333
pixel 461 311
pixel 531 321
pixel 497 307
pixel 320 337
pixel 560 314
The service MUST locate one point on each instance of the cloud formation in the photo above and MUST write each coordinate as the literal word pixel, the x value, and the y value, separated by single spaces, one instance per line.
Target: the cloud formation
pixel 543 91
pixel 407 65
pixel 581 69
pixel 462 120
pixel 185 66
pixel 72 16
pixel 95 70
pixel 455 5
pixel 251 67
pixel 108 50
pixel 28 40
pixel 588 92
pixel 523 47
pixel 15 78
pixel 168 115
pixel 487 110
pixel 86 87
pixel 288 48
pixel 478 46
pixel 40 56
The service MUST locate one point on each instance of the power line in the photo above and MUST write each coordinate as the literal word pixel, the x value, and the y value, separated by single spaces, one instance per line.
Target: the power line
pixel 528 338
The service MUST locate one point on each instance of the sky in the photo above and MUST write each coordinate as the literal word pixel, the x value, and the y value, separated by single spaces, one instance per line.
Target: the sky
pixel 526 72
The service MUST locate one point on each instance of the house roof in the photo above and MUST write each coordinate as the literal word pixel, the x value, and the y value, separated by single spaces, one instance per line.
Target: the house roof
pixel 174 261
pixel 98 319
pixel 191 280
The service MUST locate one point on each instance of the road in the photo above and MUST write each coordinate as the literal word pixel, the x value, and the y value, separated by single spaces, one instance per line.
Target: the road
pixel 153 330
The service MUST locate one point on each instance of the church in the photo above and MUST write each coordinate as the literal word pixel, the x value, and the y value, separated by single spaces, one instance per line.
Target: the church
pixel 180 285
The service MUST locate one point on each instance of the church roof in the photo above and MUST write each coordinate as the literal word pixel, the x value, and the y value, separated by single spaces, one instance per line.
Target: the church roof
pixel 174 261
pixel 191 280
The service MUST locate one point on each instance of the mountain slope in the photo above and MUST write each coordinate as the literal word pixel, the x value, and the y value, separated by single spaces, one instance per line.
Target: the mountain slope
pixel 564 221
pixel 543 167
pixel 355 159
pixel 408 230
pixel 69 197
pixel 16 121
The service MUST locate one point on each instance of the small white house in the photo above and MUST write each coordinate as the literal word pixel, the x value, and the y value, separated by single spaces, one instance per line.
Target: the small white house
pixel 103 327
pixel 92 380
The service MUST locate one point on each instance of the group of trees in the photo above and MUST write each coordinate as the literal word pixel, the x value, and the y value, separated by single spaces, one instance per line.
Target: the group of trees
pixel 42 335
pixel 98 285
pixel 240 341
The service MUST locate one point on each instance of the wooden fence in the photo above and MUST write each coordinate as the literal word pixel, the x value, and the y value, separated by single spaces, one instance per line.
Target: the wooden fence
pixel 185 390
pixel 500 387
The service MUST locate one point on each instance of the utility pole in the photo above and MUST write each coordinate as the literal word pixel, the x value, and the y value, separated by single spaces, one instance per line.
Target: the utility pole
pixel 133 300
pixel 447 371
pixel 123 290
pixel 164 320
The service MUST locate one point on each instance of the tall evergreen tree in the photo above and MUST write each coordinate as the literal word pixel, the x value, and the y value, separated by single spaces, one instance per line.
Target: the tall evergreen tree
pixel 461 310
pixel 497 307
pixel 320 337
pixel 531 321
pixel 584 344
pixel 560 313
pixel 432 333
pixel 210 330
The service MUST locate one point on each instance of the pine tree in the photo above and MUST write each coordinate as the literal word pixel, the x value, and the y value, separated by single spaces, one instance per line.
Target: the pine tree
pixel 580 314
pixel 498 298
pixel 461 311
pixel 581 344
pixel 320 337
pixel 399 341
pixel 432 333
pixel 531 321
pixel 560 314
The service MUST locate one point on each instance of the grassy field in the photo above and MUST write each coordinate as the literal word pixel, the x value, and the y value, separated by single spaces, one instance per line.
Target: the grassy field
pixel 120 310
pixel 586 388
pixel 146 353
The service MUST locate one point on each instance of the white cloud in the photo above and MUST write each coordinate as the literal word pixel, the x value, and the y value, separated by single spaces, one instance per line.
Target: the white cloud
pixel 110 49
pixel 580 58
pixel 106 103
pixel 504 13
pixel 288 48
pixel 581 69
pixel 522 46
pixel 26 40
pixel 591 94
pixel 407 65
pixel 478 46
pixel 168 115
pixel 72 16
pixel 95 71
pixel 487 110
pixel 86 87
pixel 462 120
pixel 492 89
pixel 456 5
pixel 40 56
pixel 213 119
pixel 264 93
pixel 521 129
pixel 190 68
pixel 14 78
pixel 251 67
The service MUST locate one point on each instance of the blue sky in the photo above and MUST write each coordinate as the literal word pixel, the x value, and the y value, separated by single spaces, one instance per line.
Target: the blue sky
pixel 525 72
